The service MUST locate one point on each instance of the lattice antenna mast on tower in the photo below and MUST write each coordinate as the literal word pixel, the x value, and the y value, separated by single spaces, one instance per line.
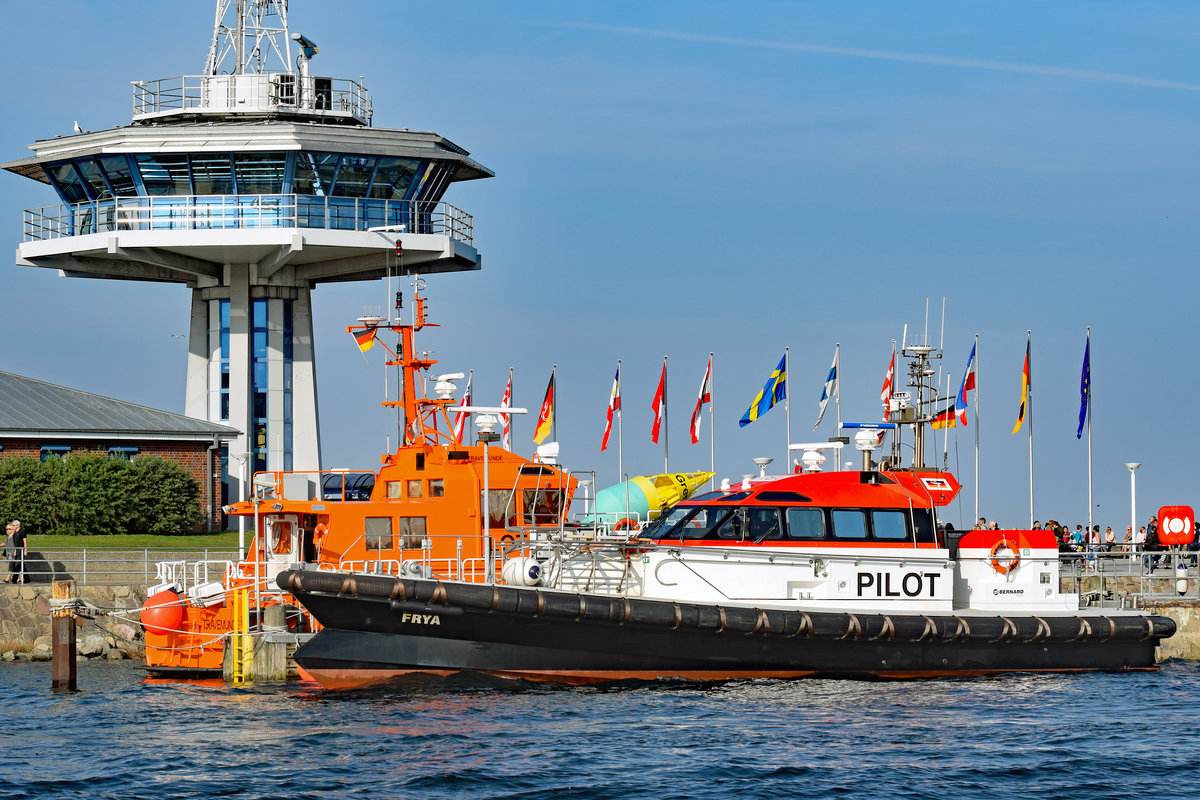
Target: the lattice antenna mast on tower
pixel 249 31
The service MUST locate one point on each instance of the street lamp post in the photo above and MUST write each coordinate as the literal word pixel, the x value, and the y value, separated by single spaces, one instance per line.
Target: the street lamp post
pixel 1132 467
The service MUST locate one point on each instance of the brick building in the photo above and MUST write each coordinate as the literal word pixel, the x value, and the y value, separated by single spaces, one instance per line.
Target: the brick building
pixel 42 420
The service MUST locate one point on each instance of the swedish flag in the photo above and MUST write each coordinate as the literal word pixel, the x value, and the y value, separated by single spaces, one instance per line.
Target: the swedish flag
pixel 774 391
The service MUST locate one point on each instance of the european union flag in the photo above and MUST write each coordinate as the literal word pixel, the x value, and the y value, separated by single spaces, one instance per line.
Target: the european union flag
pixel 774 391
pixel 1085 386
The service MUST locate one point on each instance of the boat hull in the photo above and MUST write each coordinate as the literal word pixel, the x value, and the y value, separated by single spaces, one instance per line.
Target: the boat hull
pixel 378 630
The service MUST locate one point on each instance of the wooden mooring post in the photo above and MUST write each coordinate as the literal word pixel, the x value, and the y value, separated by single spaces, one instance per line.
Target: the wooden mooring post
pixel 63 602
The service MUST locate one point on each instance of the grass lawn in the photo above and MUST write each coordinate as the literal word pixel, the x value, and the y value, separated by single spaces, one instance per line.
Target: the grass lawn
pixel 226 539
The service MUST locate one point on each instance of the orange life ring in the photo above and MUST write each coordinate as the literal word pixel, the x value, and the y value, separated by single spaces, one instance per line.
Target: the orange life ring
pixel 625 524
pixel 1004 569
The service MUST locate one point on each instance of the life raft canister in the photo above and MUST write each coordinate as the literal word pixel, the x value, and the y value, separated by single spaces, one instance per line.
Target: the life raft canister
pixel 1013 559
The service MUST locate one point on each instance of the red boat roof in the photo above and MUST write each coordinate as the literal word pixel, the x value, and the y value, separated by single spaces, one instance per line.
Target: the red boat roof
pixel 900 489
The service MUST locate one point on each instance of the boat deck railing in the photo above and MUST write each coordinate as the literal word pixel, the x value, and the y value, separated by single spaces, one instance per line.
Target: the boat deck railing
pixel 226 212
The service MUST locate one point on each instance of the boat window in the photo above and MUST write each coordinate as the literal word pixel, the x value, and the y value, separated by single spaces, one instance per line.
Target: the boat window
pixel 395 490
pixel 731 527
pixel 411 531
pixel 782 497
pixel 849 523
pixel 923 521
pixel 660 528
pixel 735 497
pixel 281 536
pixel 703 524
pixel 437 487
pixel 763 524
pixel 542 506
pixel 806 523
pixel 500 510
pixel 889 525
pixel 414 489
pixel 377 533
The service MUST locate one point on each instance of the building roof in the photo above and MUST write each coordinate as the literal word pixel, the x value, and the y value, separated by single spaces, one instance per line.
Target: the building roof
pixel 38 409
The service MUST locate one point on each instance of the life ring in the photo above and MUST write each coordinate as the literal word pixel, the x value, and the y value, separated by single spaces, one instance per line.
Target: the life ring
pixel 1013 561
pixel 625 524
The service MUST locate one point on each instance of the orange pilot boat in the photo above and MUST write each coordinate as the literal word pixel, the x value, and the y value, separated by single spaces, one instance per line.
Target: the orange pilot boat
pixel 419 515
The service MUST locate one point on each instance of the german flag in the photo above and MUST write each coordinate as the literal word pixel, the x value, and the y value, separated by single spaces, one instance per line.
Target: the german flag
pixel 545 422
pixel 944 419
pixel 1024 389
pixel 365 339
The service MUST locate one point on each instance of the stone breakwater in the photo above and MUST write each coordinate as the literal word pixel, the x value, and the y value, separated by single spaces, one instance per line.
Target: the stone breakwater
pixel 25 623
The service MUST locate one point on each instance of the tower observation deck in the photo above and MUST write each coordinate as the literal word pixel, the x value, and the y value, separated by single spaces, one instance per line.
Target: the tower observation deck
pixel 250 183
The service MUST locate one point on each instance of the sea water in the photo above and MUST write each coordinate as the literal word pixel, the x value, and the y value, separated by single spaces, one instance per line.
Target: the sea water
pixel 1034 736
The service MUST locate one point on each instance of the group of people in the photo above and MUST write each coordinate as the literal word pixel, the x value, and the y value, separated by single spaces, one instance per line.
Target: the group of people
pixel 1084 540
pixel 14 550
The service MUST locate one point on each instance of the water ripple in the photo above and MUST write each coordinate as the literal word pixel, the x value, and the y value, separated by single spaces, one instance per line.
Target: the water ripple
pixel 1094 736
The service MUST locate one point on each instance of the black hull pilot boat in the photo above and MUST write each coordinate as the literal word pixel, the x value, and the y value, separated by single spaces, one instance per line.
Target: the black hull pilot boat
pixel 842 573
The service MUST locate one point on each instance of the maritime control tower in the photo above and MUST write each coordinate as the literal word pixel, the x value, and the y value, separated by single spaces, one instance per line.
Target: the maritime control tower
pixel 250 183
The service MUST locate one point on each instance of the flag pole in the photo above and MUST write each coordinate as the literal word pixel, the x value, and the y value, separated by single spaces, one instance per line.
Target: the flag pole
pixel 946 434
pixel 787 410
pixel 553 403
pixel 837 395
pixel 1088 350
pixel 976 430
pixel 712 427
pixel 620 443
pixel 666 428
pixel 1029 389
pixel 837 398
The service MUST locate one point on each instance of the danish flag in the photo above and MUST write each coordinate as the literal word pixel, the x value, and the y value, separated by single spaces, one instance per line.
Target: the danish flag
pixel 705 397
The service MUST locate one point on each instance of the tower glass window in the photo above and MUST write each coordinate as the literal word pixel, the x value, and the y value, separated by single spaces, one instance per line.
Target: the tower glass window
pixel 91 173
pixel 70 185
pixel 393 176
pixel 315 173
pixel 165 173
pixel 120 177
pixel 287 384
pixel 260 173
pixel 224 335
pixel 212 173
pixel 353 176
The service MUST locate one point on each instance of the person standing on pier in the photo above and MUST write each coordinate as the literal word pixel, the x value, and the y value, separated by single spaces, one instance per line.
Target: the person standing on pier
pixel 14 548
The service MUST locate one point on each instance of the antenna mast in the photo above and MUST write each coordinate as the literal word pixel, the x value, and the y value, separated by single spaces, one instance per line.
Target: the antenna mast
pixel 252 30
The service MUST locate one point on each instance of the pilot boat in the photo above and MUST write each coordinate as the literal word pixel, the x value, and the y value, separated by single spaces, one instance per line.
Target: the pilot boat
pixel 843 573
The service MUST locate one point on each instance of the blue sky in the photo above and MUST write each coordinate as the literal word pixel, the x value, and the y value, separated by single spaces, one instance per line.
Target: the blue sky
pixel 674 178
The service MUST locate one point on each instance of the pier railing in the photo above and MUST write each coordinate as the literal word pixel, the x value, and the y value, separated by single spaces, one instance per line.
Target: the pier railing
pixel 112 566
pixel 245 211
pixel 1105 578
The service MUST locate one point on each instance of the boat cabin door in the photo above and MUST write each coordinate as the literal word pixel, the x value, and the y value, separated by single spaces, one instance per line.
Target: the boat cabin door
pixel 281 533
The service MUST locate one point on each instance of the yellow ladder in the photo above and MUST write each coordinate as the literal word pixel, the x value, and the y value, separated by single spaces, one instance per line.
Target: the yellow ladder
pixel 243 645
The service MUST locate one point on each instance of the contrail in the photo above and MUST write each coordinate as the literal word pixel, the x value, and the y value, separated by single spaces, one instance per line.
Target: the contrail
pixel 890 55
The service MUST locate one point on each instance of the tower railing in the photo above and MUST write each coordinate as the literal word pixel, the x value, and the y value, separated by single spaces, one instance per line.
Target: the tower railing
pixel 251 93
pixel 245 211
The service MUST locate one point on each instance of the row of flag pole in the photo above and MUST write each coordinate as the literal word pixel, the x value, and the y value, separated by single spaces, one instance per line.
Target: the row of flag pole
pixel 775 391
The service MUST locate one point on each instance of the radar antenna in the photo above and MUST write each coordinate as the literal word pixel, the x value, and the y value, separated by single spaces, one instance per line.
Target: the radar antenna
pixel 252 30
